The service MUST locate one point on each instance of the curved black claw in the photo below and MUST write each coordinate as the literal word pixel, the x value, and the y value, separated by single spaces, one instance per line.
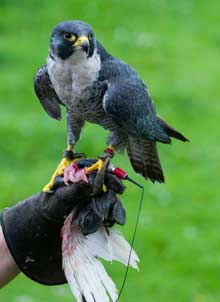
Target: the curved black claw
pixel 87 162
pixel 71 155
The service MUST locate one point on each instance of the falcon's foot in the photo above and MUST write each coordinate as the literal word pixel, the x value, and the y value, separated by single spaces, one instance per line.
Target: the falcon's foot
pixel 100 166
pixel 69 157
pixel 97 166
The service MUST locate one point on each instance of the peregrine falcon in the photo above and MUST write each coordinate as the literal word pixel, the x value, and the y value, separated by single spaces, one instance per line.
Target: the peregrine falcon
pixel 97 87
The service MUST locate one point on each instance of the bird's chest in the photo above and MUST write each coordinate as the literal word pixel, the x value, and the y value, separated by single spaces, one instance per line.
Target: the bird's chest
pixel 70 79
pixel 89 106
pixel 60 76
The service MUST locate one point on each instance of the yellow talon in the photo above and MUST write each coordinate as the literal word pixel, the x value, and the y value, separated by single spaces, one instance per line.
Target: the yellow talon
pixel 65 162
pixel 96 166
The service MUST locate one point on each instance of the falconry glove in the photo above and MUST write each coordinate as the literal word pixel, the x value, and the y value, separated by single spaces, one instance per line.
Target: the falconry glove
pixel 32 228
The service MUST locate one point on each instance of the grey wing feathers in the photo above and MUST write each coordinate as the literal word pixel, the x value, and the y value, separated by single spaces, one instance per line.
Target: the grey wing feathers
pixel 130 106
pixel 46 93
pixel 171 131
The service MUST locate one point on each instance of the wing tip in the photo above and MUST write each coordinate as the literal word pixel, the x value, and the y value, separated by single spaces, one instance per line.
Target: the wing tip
pixel 172 132
pixel 154 175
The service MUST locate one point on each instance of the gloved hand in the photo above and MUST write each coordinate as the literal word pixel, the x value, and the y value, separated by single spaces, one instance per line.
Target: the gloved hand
pixel 32 227
pixel 105 208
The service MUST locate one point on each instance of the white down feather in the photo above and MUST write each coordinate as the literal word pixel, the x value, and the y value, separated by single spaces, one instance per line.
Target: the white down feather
pixel 84 272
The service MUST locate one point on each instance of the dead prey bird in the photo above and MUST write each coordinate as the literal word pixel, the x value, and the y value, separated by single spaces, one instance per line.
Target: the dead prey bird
pixel 96 87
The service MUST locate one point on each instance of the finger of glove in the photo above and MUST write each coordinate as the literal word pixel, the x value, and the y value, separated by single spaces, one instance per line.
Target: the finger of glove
pixel 86 162
pixel 88 221
pixel 91 178
pixel 74 193
pixel 101 205
pixel 114 183
pixel 91 217
pixel 117 213
pixel 59 204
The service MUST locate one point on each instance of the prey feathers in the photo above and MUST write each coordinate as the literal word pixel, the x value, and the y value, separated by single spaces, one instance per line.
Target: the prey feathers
pixel 85 273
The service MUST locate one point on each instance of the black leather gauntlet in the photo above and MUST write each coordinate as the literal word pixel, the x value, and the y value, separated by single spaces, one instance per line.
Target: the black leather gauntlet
pixel 32 227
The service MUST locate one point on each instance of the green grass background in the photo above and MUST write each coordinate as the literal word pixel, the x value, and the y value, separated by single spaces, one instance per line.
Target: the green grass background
pixel 175 47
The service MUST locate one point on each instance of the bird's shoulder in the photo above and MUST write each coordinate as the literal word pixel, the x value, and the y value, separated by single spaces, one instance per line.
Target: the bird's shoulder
pixel 124 82
pixel 113 68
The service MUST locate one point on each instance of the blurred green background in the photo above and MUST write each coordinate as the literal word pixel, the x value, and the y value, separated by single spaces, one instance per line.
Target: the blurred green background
pixel 174 46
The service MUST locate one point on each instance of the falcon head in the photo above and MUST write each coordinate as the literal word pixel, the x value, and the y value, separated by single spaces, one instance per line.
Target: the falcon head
pixel 72 39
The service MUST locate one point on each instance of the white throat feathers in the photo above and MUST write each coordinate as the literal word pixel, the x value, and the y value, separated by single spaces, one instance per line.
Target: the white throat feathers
pixel 71 76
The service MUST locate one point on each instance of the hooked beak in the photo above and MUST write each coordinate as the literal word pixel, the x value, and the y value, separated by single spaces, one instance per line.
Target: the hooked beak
pixel 83 43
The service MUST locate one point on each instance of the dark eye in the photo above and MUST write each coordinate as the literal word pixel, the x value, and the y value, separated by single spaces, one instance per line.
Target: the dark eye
pixel 70 37
pixel 90 36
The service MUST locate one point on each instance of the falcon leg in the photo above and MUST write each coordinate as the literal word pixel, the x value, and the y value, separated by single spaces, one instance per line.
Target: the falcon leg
pixel 100 167
pixel 68 158
pixel 74 127
pixel 97 166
